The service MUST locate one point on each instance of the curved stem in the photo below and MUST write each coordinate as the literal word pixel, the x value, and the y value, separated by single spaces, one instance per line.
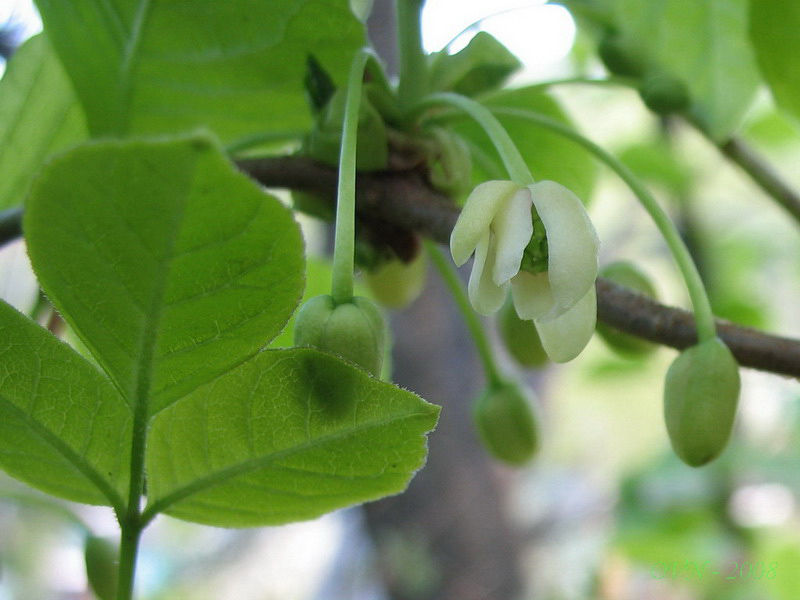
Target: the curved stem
pixel 697 292
pixel 453 283
pixel 413 82
pixel 515 165
pixel 342 276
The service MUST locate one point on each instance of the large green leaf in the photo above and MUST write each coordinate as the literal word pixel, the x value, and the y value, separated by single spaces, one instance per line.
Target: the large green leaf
pixel 236 66
pixel 705 44
pixel 774 26
pixel 38 116
pixel 287 436
pixel 171 267
pixel 63 427
pixel 548 155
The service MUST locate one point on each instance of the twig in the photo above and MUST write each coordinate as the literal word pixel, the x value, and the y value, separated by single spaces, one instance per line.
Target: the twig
pixel 404 199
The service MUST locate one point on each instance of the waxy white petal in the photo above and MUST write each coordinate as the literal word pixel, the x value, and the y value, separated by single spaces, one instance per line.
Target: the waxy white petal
pixel 512 228
pixel 485 296
pixel 572 244
pixel 531 294
pixel 565 337
pixel 476 217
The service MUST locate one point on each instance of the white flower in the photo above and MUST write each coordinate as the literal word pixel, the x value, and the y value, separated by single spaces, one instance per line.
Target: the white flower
pixel 496 226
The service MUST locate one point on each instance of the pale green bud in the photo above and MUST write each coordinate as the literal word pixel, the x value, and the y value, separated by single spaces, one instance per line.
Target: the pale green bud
pixel 701 392
pixel 506 423
pixel 102 565
pixel 354 331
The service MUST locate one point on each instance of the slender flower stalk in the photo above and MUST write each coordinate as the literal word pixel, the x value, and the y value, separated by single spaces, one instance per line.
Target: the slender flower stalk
pixel 512 159
pixel 472 321
pixel 342 277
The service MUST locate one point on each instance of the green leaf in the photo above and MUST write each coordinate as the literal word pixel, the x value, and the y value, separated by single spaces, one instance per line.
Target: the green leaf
pixel 39 115
pixel 483 65
pixel 289 435
pixel 63 427
pixel 143 67
pixel 171 267
pixel 773 30
pixel 548 155
pixel 703 43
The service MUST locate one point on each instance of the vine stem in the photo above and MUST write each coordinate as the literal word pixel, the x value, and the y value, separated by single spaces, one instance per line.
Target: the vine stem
pixel 453 283
pixel 413 84
pixel 704 317
pixel 342 276
pixel 512 160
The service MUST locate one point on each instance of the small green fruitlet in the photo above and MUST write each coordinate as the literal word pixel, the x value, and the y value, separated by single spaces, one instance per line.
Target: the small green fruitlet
pixel 664 94
pixel 505 421
pixel 102 563
pixel 701 392
pixel 629 275
pixel 619 57
pixel 396 284
pixel 520 338
pixel 354 330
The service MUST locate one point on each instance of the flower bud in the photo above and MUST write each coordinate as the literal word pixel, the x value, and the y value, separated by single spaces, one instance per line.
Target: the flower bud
pixel 102 559
pixel 520 337
pixel 506 423
pixel 701 392
pixel 354 330
pixel 630 276
pixel 451 170
pixel 396 284
pixel 664 94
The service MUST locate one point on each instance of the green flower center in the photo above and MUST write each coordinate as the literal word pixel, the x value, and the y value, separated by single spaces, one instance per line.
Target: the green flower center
pixel 535 255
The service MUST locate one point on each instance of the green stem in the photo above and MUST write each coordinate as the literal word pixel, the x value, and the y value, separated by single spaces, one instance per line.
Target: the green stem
pixel 453 283
pixel 128 550
pixel 413 84
pixel 515 165
pixel 702 307
pixel 342 276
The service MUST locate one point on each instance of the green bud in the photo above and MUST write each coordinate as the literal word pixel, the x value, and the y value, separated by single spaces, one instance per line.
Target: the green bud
pixel 630 276
pixel 664 94
pixel 354 331
pixel 701 392
pixel 506 423
pixel 619 57
pixel 396 284
pixel 102 562
pixel 451 168
pixel 520 337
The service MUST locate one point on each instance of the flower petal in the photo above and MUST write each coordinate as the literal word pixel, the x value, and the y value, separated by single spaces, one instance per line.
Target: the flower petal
pixel 531 294
pixel 571 241
pixel 476 217
pixel 565 337
pixel 513 228
pixel 485 296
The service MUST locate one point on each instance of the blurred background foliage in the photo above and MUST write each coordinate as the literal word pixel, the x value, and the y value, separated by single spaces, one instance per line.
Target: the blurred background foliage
pixel 606 511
